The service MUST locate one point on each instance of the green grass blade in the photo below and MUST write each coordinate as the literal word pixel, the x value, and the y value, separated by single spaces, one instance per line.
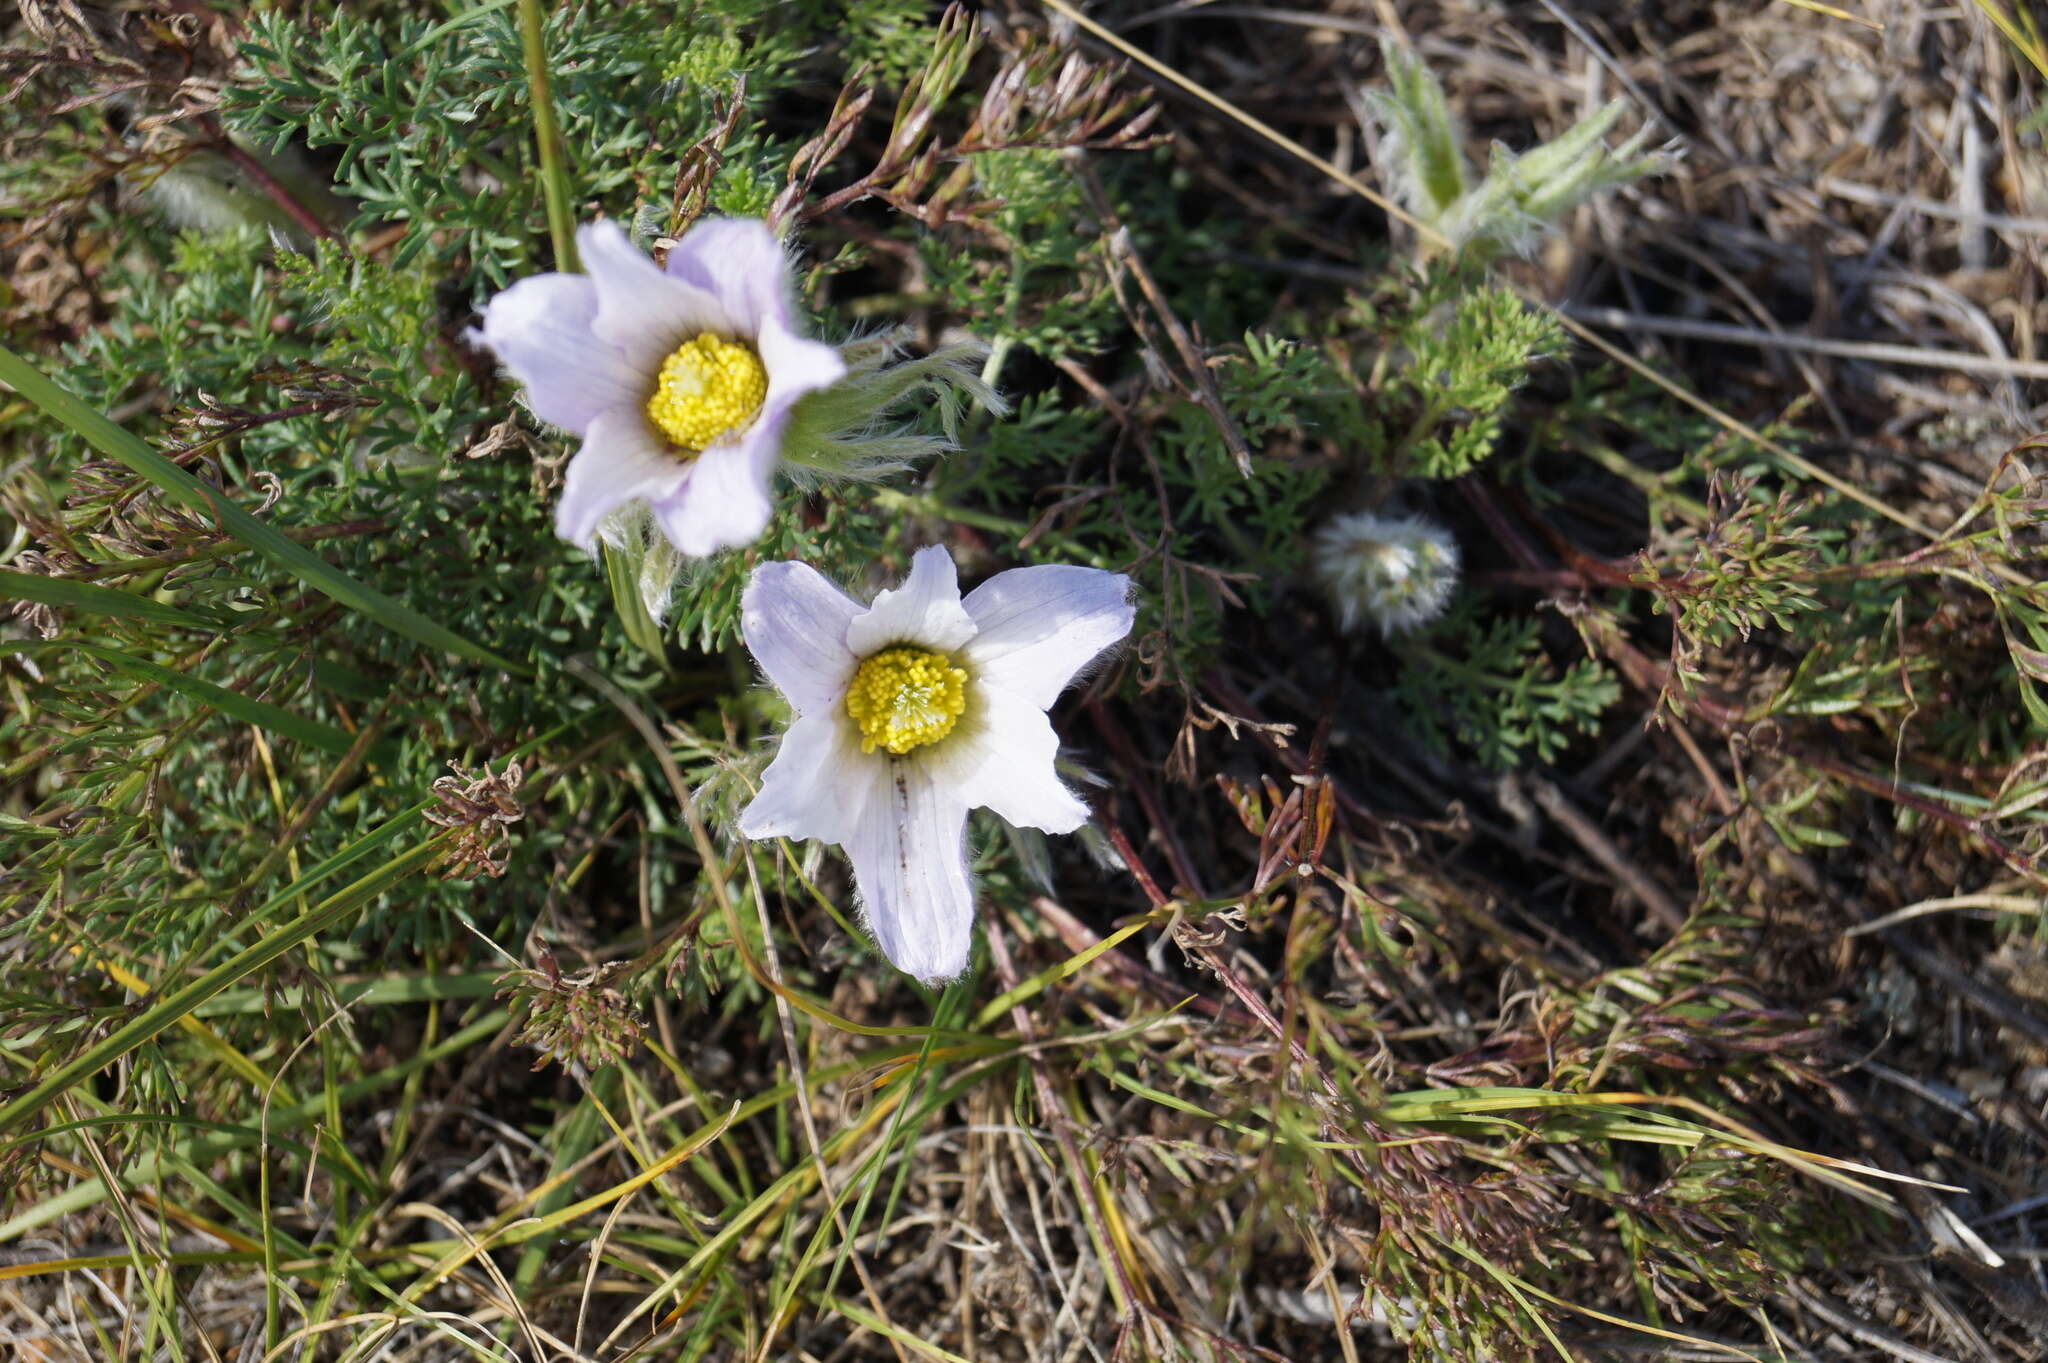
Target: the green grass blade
pixel 205 1149
pixel 260 713
pixel 1071 966
pixel 175 1004
pixel 2019 33
pixel 86 1262
pixel 578 1135
pixel 94 600
pixel 554 171
pixel 383 991
pixel 187 491
pixel 895 1333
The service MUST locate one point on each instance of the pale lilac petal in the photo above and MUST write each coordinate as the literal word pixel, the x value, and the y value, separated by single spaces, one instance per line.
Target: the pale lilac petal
pixel 925 610
pixel 818 786
pixel 540 330
pixel 725 504
pixel 794 623
pixel 909 859
pixel 642 311
pixel 1037 627
pixel 1005 763
pixel 621 461
pixel 739 262
pixel 795 365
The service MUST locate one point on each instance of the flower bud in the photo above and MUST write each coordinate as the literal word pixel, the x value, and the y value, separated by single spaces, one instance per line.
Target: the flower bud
pixel 1393 572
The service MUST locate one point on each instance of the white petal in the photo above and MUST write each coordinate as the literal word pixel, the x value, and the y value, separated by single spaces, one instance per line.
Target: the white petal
pixel 794 622
pixel 925 610
pixel 1006 764
pixel 540 330
pixel 796 366
pixel 739 262
pixel 725 504
pixel 621 461
pixel 642 311
pixel 910 862
pixel 818 786
pixel 1039 626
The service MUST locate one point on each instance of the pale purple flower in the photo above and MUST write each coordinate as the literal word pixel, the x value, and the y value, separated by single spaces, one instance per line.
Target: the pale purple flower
pixel 679 380
pixel 914 710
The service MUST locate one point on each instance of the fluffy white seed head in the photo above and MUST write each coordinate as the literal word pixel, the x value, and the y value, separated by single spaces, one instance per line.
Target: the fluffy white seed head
pixel 1393 572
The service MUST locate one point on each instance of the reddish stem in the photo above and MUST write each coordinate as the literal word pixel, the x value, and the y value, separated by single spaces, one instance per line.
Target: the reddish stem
pixel 271 186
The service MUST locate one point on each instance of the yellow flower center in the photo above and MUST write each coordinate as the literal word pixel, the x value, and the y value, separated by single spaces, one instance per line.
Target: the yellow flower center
pixel 708 387
pixel 904 698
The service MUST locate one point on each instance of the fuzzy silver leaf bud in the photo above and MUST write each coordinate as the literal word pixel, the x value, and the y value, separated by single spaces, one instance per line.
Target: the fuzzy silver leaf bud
pixel 1395 572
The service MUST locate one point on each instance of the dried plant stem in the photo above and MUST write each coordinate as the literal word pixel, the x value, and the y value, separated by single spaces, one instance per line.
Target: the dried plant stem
pixel 1834 12
pixel 1932 208
pixel 1993 903
pixel 1880 351
pixel 1601 848
pixel 1130 1300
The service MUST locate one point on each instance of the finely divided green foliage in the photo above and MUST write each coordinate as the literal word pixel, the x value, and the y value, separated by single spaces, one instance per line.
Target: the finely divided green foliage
pixel 436 139
pixel 1490 688
pixel 1464 346
pixel 1464 371
pixel 1047 291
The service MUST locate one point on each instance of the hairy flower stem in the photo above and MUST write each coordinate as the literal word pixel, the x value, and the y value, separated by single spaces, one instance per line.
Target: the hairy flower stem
pixel 554 175
pixel 622 575
pixel 259 175
pixel 1013 298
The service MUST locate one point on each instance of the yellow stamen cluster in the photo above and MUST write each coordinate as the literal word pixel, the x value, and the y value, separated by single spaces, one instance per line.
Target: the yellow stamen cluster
pixel 904 698
pixel 708 387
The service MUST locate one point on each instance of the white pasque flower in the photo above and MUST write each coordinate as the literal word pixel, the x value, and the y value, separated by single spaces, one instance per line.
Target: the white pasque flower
pixel 679 379
pixel 914 710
